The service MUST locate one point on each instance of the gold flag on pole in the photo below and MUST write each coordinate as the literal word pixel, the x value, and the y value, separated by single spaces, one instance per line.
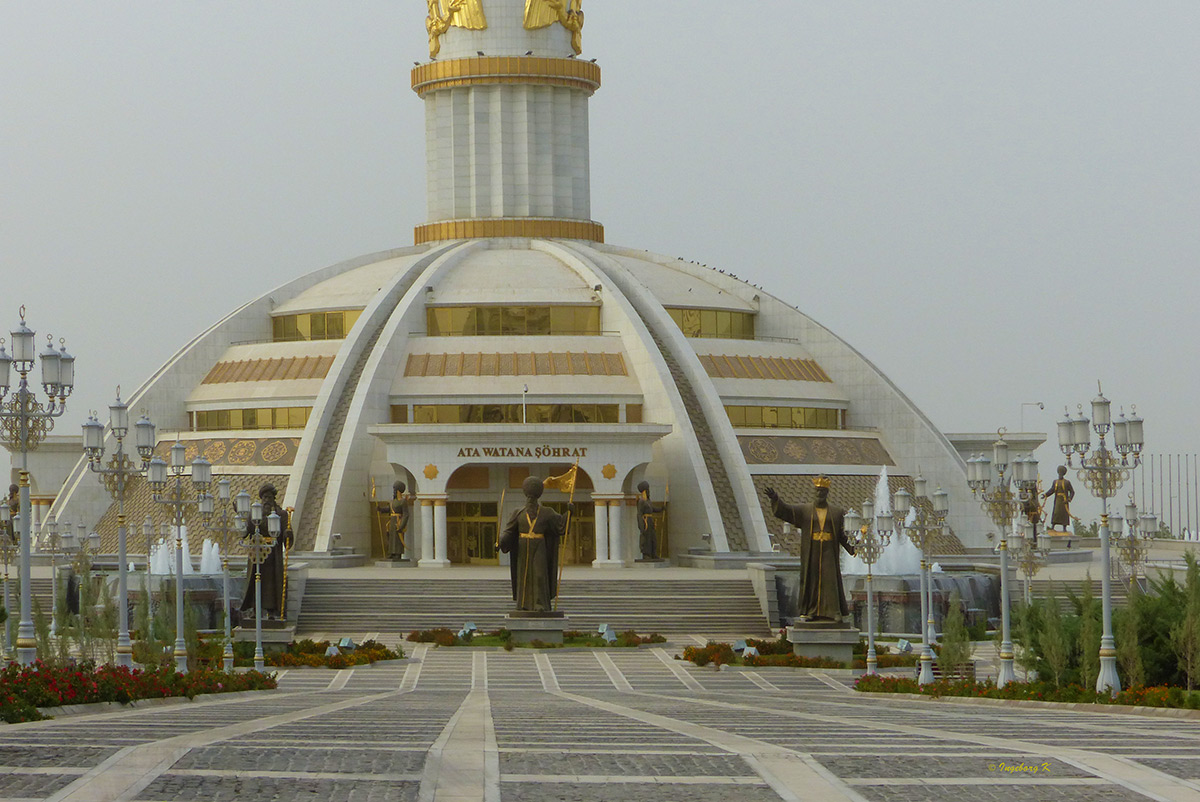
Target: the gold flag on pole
pixel 565 483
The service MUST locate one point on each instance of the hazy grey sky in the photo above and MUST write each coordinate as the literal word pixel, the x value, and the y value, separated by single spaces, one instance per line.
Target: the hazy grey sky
pixel 996 202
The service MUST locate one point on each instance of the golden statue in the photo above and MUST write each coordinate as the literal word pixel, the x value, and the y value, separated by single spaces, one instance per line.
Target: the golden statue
pixel 540 13
pixel 457 13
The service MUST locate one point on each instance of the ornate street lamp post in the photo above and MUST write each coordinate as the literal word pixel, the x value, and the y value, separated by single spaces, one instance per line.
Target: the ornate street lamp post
pixel 1133 544
pixel 24 424
pixel 996 497
pixel 930 516
pixel 53 544
pixel 201 479
pixel 226 530
pixel 1103 472
pixel 1031 552
pixel 115 477
pixel 870 536
pixel 7 542
pixel 259 548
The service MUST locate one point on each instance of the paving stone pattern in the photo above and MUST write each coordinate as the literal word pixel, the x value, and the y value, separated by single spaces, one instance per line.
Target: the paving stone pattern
pixel 624 725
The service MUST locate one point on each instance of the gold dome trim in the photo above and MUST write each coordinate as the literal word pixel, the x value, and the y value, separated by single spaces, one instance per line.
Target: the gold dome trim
pixel 539 70
pixel 484 228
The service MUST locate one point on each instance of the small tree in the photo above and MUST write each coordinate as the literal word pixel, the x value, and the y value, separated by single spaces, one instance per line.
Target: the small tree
pixel 1185 636
pixel 956 643
pixel 1089 636
pixel 1129 652
pixel 1053 643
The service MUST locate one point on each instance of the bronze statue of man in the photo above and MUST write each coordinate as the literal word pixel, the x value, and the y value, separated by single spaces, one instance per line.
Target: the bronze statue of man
pixel 822 532
pixel 13 500
pixel 398 521
pixel 646 524
pixel 532 537
pixel 272 567
pixel 1064 494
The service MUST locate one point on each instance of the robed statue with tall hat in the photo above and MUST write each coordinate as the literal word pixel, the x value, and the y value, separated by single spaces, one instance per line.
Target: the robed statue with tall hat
pixel 822 536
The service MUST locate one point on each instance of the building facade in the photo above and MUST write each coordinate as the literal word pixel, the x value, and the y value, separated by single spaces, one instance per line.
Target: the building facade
pixel 511 340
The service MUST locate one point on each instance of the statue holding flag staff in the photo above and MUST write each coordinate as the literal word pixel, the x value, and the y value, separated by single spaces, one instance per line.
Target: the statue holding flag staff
pixel 533 538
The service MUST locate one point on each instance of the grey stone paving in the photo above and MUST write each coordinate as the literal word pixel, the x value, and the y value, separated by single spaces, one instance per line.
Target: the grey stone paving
pixel 630 725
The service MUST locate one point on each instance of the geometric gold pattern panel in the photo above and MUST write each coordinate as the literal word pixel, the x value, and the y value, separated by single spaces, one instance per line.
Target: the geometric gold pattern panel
pixel 275 452
pixel 516 364
pixel 813 451
pixel 266 370
pixel 720 366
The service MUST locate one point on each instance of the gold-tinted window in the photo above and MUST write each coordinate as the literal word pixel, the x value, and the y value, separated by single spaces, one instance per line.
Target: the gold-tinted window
pixel 460 321
pixel 515 413
pixel 399 413
pixel 258 418
pixel 314 326
pixel 773 417
pixel 715 323
pixel 633 413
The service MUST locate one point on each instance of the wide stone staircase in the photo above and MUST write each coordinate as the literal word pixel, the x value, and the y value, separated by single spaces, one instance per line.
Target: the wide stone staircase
pixel 1062 589
pixel 352 606
pixel 735 532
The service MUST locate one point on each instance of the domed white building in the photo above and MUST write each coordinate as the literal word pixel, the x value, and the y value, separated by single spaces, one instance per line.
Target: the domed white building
pixel 511 340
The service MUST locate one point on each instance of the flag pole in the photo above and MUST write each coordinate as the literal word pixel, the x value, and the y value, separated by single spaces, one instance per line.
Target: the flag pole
pixel 566 529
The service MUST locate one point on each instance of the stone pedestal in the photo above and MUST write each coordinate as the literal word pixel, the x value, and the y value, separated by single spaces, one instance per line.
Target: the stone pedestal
pixel 833 641
pixel 528 627
pixel 655 563
pixel 276 635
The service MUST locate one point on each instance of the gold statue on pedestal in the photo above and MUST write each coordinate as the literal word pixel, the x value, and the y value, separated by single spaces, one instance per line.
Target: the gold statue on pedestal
pixel 444 14
pixel 540 13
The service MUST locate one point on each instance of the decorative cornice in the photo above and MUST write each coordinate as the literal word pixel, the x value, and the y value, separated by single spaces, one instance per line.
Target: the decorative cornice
pixel 478 70
pixel 525 227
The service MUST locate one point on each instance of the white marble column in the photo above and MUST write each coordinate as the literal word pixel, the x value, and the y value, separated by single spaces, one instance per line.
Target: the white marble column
pixel 616 533
pixel 427 554
pixel 601 532
pixel 439 531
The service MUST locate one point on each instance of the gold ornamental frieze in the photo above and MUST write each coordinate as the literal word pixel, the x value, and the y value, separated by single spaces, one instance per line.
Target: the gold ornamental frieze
pixel 531 228
pixel 447 14
pixel 476 70
pixel 568 13
pixel 798 450
pixel 239 451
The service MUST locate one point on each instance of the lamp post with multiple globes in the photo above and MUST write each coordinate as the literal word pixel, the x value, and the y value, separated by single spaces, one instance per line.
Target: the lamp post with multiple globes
pixel 116 476
pixel 24 424
pixel 870 535
pixel 929 517
pixel 1133 544
pixel 226 529
pixel 1103 471
pixel 259 548
pixel 994 489
pixel 176 500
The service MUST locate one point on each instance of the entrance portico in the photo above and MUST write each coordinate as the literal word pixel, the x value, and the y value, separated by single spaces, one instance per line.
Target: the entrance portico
pixel 608 453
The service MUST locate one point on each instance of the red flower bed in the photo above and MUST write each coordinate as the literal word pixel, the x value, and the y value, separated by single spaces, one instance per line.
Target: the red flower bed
pixel 23 689
pixel 1038 691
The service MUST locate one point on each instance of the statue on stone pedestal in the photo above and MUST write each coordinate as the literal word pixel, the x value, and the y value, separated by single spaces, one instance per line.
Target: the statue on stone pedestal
pixel 532 537
pixel 822 533
pixel 398 521
pixel 272 567
pixel 646 524
pixel 1064 494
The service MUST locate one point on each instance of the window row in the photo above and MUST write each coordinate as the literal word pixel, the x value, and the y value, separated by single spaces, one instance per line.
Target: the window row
pixel 470 321
pixel 314 326
pixel 515 413
pixel 720 324
pixel 784 417
pixel 211 420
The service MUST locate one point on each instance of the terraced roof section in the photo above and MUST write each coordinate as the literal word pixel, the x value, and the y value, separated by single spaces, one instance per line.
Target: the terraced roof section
pixel 265 370
pixel 721 366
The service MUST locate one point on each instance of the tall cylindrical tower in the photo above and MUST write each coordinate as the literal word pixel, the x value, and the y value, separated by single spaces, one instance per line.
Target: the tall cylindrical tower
pixel 506 120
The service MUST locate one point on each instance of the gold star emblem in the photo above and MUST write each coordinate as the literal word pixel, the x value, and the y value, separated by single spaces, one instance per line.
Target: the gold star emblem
pixel 431 471
pixel 609 471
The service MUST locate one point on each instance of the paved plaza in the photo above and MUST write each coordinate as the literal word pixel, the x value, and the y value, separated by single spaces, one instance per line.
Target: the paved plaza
pixel 581 725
